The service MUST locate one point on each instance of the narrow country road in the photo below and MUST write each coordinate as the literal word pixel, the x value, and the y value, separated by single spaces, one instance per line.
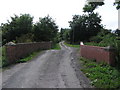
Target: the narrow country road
pixel 50 69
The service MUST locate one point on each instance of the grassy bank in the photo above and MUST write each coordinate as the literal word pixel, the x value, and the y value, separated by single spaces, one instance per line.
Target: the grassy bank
pixel 72 45
pixel 25 59
pixel 29 57
pixel 101 75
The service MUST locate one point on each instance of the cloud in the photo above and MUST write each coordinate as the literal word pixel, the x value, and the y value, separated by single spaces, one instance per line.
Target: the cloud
pixel 60 10
pixel 109 14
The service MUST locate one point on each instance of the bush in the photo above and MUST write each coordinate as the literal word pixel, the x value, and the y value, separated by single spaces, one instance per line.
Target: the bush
pixel 96 39
pixel 100 35
pixel 109 40
pixel 25 38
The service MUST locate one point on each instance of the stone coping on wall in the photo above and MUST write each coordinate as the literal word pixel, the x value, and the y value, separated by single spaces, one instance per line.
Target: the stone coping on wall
pixel 12 43
pixel 19 50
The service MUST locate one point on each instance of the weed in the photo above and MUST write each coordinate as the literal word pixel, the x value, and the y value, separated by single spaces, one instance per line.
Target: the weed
pixel 101 75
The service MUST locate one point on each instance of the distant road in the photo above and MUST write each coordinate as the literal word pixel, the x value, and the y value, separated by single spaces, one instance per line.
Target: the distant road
pixel 50 69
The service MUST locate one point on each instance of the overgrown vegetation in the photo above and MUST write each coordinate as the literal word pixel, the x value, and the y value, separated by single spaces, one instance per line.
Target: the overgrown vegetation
pixel 18 26
pixel 101 75
pixel 45 30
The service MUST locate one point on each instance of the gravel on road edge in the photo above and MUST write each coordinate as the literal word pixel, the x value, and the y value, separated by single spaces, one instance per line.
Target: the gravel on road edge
pixel 75 62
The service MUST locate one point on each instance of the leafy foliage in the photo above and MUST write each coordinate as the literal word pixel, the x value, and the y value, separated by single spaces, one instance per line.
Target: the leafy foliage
pixel 101 75
pixel 117 32
pixel 19 25
pixel 56 46
pixel 100 36
pixel 45 29
pixel 65 34
pixel 91 6
pixel 21 29
pixel 25 38
pixel 117 5
pixel 85 26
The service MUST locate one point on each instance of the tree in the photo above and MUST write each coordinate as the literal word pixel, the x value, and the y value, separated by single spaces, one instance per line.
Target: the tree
pixel 85 26
pixel 61 34
pixel 117 32
pixel 91 6
pixel 45 29
pixel 65 34
pixel 100 36
pixel 117 3
pixel 18 26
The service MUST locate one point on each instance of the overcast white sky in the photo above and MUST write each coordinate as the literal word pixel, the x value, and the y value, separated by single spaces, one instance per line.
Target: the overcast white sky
pixel 60 10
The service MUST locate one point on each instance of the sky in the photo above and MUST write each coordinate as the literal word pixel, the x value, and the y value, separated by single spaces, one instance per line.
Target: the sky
pixel 61 11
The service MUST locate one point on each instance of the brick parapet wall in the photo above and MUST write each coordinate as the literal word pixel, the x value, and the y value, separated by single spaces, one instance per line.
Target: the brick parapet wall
pixel 20 50
pixel 100 54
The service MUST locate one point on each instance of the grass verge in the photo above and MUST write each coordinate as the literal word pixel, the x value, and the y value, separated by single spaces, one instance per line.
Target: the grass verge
pixel 56 46
pixel 25 59
pixel 29 57
pixel 72 45
pixel 101 75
